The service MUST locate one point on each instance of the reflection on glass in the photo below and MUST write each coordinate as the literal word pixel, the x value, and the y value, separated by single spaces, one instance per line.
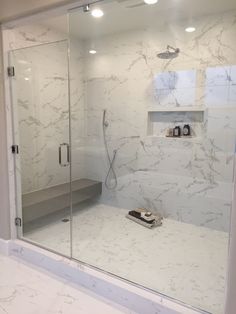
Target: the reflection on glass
pixel 123 100
pixel 41 114
pixel 188 181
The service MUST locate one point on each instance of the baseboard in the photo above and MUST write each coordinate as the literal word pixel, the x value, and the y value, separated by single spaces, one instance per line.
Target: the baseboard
pixel 4 246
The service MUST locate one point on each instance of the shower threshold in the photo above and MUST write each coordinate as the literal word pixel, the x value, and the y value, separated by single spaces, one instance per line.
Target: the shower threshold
pixel 101 283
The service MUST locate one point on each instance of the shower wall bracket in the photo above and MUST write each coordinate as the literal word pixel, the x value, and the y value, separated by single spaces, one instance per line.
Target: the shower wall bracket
pixel 15 149
pixel 11 71
pixel 18 222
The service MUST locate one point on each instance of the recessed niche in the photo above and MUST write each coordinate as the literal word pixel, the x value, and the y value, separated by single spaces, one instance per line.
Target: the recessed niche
pixel 160 121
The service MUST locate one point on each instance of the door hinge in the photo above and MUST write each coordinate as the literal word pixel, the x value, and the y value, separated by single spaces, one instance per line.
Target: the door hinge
pixel 15 149
pixel 18 221
pixel 11 71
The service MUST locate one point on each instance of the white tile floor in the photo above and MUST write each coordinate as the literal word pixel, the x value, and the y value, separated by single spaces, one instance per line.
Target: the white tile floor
pixel 26 290
pixel 180 260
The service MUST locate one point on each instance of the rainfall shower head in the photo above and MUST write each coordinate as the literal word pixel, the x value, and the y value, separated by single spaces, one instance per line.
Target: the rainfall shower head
pixel 170 53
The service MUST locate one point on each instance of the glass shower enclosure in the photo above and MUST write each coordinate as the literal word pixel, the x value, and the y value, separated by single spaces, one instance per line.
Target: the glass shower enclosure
pixel 41 111
pixel 94 117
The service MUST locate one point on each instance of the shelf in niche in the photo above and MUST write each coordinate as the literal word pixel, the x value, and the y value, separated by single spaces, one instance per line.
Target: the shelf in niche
pixel 183 138
pixel 165 118
pixel 177 109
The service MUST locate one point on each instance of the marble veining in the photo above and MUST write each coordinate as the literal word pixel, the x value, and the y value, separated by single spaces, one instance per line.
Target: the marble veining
pixel 127 89
pixel 188 181
pixel 42 110
pixel 168 175
pixel 29 290
pixel 180 260
pixel 101 284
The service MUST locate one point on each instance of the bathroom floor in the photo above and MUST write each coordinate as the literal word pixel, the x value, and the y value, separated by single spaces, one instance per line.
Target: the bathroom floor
pixel 180 260
pixel 30 290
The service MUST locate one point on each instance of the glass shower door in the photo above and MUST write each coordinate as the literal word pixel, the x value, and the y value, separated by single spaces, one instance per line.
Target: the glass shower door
pixel 135 77
pixel 39 89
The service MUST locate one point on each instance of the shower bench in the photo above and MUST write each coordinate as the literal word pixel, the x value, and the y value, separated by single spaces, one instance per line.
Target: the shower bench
pixel 40 203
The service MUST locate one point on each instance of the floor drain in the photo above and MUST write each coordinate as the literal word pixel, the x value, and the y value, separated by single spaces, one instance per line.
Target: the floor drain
pixel 65 220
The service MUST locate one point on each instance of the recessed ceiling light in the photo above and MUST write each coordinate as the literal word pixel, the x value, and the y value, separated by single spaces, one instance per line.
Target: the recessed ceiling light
pixel 150 1
pixel 92 51
pixel 190 29
pixel 97 13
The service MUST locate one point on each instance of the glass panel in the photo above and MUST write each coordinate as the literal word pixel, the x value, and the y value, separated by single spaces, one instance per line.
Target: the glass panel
pixel 145 76
pixel 41 122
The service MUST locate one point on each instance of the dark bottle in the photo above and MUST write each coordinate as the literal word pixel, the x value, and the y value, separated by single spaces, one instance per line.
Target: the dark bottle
pixel 186 130
pixel 177 131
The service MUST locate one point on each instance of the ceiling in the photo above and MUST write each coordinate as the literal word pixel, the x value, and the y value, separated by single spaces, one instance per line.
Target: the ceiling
pixel 123 15
pixel 10 9
pixel 120 15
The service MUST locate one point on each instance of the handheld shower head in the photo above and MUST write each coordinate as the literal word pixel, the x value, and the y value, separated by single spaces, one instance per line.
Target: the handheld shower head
pixel 111 159
pixel 104 122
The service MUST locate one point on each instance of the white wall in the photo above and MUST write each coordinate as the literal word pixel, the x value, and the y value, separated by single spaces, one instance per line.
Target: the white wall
pixel 4 192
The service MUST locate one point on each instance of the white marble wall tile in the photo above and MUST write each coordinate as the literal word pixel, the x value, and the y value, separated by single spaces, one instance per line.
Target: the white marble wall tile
pixel 35 33
pixel 232 95
pixel 43 112
pixel 43 104
pixel 126 89
pixel 175 80
pixel 201 167
pixel 77 109
pixel 217 96
pixel 218 76
pixel 233 75
pixel 176 97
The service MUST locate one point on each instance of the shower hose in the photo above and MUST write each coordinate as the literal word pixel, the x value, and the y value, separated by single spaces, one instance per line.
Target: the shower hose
pixel 111 171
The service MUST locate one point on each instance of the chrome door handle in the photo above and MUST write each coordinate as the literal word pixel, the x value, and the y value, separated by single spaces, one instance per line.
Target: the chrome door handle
pixel 68 153
pixel 67 162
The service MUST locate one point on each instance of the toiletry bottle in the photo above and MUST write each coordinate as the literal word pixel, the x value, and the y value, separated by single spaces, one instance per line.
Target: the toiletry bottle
pixel 186 130
pixel 169 132
pixel 177 131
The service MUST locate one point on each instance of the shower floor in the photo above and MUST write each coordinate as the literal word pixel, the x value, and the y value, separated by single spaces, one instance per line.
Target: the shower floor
pixel 180 260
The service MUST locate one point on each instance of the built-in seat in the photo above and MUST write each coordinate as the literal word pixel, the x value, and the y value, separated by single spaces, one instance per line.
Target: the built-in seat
pixel 52 199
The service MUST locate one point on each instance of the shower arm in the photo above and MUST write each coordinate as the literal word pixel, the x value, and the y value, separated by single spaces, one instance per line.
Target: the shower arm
pixel 172 48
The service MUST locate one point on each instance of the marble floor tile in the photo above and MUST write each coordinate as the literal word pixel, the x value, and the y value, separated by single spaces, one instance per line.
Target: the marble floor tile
pixel 24 289
pixel 183 261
